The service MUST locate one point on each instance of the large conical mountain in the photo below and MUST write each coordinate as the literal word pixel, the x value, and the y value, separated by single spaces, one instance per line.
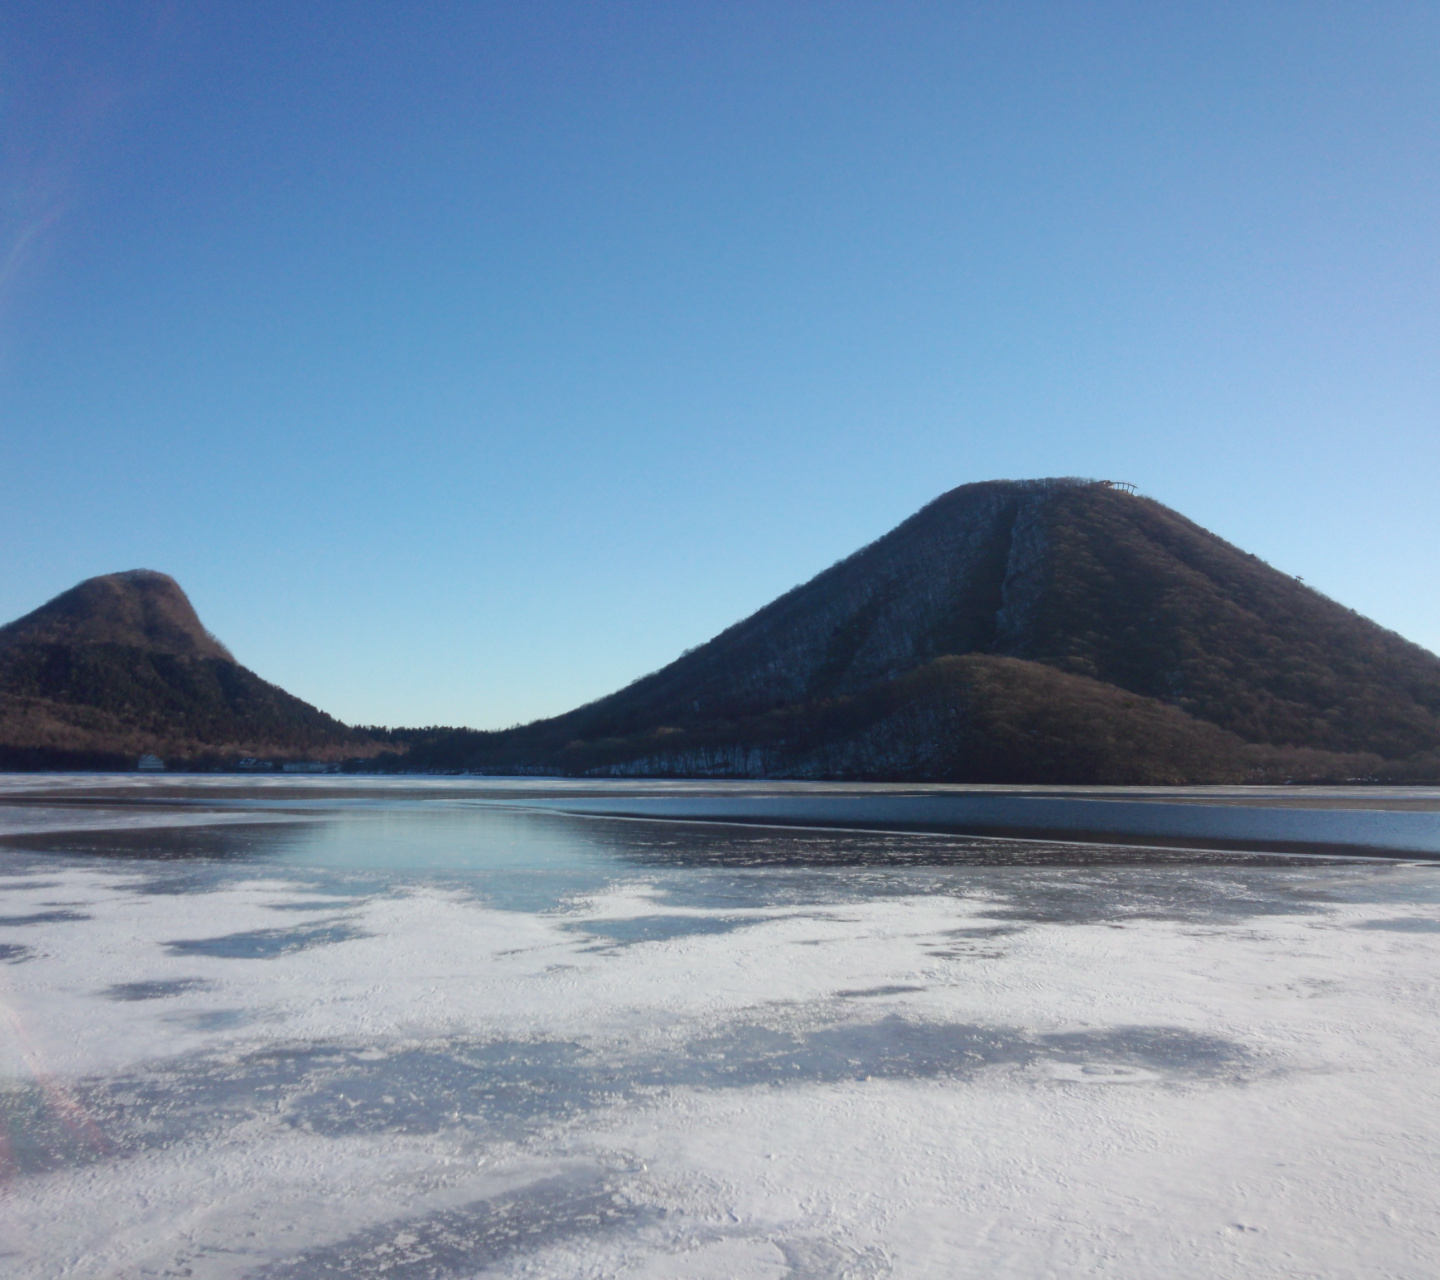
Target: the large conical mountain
pixel 121 665
pixel 1042 630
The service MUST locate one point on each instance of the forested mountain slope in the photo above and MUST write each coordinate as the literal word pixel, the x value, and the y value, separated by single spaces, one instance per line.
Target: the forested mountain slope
pixel 1011 631
pixel 1083 588
pixel 121 665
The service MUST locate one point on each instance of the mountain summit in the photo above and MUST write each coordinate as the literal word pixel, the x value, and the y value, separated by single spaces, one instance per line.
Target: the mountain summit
pixel 120 666
pixel 140 609
pixel 1031 631
pixel 1040 630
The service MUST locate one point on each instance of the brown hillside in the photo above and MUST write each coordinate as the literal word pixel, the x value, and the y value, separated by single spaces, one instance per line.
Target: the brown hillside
pixel 1070 576
pixel 120 666
pixel 139 609
pixel 969 718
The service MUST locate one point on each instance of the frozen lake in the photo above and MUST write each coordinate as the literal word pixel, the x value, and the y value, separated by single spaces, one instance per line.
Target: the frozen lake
pixel 325 1027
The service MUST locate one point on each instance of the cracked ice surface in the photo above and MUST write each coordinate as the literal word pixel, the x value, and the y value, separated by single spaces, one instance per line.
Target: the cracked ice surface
pixel 404 1038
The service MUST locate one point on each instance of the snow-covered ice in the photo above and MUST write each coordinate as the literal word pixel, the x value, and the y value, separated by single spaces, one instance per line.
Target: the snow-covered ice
pixel 404 1036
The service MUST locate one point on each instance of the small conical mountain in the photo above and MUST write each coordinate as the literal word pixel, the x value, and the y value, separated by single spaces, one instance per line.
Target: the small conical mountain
pixel 140 609
pixel 1029 631
pixel 121 666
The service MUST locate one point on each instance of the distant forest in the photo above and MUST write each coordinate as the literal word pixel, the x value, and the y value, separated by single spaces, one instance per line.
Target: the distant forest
pixel 1046 631
pixel 1038 631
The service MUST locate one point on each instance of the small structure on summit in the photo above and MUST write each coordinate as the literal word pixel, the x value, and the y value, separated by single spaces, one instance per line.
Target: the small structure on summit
pixel 1123 485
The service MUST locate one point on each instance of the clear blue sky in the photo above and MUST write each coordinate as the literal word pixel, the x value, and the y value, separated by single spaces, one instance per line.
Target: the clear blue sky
pixel 464 361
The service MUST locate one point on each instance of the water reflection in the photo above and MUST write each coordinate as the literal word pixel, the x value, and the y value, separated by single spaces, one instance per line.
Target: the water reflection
pixel 353 977
pixel 283 841
pixel 532 861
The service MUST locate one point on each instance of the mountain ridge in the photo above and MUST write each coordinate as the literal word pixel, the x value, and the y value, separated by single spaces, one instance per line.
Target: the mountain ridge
pixel 120 666
pixel 139 608
pixel 1069 575
pixel 1058 630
